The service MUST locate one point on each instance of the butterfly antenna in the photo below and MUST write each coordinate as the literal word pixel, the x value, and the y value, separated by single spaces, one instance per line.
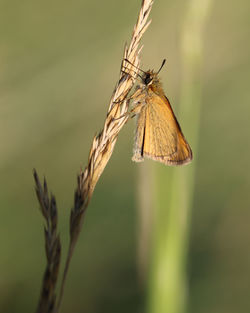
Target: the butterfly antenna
pixel 135 66
pixel 163 62
pixel 125 68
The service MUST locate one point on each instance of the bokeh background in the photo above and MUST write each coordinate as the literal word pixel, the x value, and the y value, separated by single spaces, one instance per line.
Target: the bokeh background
pixel 59 62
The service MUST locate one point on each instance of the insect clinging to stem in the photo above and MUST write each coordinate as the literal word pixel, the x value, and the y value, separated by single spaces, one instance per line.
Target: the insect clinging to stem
pixel 158 134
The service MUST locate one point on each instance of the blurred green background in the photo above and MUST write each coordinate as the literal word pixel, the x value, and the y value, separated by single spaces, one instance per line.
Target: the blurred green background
pixel 59 62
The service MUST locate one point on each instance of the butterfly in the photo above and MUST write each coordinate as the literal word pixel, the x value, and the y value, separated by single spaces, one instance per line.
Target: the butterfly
pixel 158 134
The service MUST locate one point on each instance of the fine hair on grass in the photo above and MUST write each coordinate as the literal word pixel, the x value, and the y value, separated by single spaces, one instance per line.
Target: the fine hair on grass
pixel 99 155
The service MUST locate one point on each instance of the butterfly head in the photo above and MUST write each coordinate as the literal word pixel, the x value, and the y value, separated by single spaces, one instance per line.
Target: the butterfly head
pixel 149 78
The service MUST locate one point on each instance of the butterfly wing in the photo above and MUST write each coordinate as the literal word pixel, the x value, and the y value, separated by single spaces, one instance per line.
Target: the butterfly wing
pixel 159 135
pixel 139 135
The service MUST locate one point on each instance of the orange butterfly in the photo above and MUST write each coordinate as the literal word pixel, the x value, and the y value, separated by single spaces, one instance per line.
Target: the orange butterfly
pixel 158 133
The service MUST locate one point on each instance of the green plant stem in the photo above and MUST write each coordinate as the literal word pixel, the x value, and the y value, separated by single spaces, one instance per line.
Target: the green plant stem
pixel 174 187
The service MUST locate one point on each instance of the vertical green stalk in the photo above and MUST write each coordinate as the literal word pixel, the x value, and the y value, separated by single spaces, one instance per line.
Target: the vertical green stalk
pixel 173 190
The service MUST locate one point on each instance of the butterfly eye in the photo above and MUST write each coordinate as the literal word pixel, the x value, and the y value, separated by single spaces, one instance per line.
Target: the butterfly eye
pixel 148 79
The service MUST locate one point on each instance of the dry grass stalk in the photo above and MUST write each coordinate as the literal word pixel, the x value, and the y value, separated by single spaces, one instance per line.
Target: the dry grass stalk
pixel 100 153
pixel 103 144
pixel 52 246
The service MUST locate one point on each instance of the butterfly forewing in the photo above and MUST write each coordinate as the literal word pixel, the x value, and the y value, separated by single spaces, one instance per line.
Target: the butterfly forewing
pixel 159 136
pixel 160 139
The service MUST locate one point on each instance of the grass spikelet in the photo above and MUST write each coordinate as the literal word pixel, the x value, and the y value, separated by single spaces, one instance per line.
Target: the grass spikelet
pixel 52 247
